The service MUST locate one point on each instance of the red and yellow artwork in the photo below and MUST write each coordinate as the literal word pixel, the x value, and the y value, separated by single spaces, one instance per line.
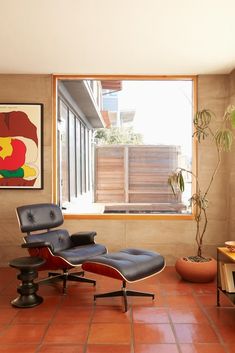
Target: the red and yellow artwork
pixel 20 157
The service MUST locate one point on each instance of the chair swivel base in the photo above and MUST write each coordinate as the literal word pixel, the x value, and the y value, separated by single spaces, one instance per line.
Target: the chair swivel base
pixel 65 276
pixel 124 293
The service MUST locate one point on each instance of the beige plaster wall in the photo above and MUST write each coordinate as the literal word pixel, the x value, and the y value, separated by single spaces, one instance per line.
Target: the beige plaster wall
pixel 171 238
pixel 213 93
pixel 25 89
pixel 231 184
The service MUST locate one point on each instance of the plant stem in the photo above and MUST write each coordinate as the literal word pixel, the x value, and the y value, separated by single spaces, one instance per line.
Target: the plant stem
pixel 197 218
pixel 214 173
pixel 199 253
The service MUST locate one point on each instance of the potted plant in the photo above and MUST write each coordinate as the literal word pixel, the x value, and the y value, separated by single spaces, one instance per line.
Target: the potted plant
pixel 192 268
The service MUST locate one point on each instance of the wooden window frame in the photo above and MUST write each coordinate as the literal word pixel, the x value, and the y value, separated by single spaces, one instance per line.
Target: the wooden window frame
pixel 56 78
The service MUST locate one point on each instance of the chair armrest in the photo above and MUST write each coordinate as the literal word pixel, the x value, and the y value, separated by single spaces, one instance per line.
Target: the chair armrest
pixel 37 244
pixel 83 238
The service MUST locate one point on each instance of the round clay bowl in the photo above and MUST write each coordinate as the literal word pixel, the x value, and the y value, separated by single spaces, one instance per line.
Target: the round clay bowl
pixel 230 245
pixel 198 272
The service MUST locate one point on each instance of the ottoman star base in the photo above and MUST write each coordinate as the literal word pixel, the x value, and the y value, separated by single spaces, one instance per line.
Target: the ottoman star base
pixel 128 265
pixel 124 293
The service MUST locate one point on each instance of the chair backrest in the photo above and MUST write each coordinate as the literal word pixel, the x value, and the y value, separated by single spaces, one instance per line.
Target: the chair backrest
pixel 39 216
pixel 44 216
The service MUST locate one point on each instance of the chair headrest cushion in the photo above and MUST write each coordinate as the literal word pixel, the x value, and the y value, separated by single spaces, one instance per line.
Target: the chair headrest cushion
pixel 39 216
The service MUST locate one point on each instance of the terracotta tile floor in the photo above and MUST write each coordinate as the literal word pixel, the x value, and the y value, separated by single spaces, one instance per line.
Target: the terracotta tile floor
pixel 182 319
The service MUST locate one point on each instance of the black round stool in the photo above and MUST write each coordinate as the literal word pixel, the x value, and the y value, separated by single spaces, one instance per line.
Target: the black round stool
pixel 27 289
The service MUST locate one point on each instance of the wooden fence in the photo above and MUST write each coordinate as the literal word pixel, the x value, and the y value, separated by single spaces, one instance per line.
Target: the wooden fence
pixel 135 177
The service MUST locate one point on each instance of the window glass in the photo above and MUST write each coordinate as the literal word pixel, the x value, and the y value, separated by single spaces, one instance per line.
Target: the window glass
pixel 117 159
pixel 83 159
pixel 78 157
pixel 148 136
pixel 72 156
pixel 87 159
pixel 64 152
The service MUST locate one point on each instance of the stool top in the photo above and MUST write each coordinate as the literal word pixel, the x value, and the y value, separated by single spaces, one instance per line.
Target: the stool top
pixel 27 262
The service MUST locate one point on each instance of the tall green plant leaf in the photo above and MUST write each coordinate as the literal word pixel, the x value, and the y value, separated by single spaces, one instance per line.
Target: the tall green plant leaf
pixel 233 118
pixel 224 139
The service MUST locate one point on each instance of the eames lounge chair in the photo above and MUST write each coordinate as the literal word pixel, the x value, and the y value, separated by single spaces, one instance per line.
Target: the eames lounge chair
pixel 60 250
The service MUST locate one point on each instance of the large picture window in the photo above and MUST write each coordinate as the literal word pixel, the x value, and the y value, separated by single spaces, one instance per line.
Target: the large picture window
pixel 119 140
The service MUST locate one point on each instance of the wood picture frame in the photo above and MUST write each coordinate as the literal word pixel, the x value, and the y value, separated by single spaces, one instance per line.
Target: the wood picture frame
pixel 21 146
pixel 229 274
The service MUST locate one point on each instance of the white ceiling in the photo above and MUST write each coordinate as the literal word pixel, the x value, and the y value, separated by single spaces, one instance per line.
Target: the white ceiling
pixel 160 37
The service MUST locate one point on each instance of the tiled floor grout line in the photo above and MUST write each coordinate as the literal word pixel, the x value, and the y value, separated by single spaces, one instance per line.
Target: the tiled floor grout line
pixel 5 328
pixel 166 306
pixel 89 327
pixel 211 322
pixel 16 310
pixel 132 330
pixel 49 323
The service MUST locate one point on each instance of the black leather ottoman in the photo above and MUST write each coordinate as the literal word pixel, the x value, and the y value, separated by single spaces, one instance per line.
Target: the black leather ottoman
pixel 128 265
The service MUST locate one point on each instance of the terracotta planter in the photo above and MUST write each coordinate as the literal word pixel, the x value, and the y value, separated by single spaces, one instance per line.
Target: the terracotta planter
pixel 199 272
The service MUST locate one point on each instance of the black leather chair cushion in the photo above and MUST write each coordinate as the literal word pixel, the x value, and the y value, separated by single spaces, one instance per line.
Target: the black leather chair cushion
pixel 58 239
pixel 79 254
pixel 63 245
pixel 39 216
pixel 132 264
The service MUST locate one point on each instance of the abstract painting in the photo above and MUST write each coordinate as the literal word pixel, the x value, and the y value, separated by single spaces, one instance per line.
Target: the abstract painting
pixel 21 146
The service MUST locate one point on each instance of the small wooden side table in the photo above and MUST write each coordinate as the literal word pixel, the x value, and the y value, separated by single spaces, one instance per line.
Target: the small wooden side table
pixel 28 267
pixel 224 254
